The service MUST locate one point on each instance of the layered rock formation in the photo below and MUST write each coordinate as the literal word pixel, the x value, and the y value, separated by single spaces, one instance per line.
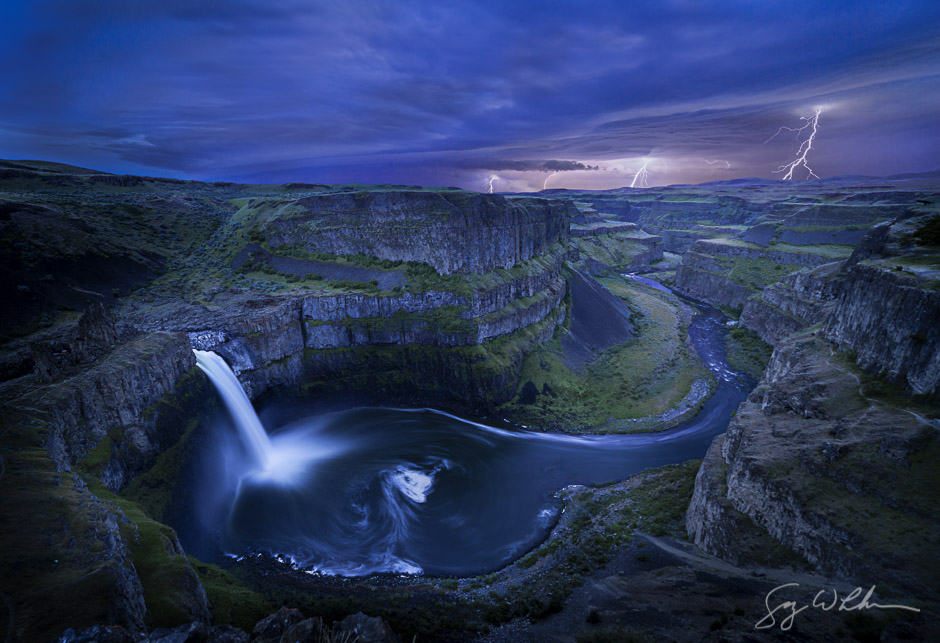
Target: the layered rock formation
pixel 728 272
pixel 681 241
pixel 451 231
pixel 288 341
pixel 800 299
pixel 724 209
pixel 111 391
pixel 607 247
pixel 807 460
pixel 890 321
pixel 90 402
pixel 823 457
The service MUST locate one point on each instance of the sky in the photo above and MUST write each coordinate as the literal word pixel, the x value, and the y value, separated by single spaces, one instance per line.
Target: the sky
pixel 502 95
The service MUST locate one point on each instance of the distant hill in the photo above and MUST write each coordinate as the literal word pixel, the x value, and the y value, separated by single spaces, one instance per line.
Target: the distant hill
pixel 47 166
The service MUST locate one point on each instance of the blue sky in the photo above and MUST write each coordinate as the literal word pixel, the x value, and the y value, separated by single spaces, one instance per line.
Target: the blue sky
pixel 454 93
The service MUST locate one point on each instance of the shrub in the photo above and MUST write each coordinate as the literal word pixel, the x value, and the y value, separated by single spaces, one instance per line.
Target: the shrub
pixel 928 233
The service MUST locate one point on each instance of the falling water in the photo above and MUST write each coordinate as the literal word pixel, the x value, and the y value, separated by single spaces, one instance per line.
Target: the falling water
pixel 374 490
pixel 238 404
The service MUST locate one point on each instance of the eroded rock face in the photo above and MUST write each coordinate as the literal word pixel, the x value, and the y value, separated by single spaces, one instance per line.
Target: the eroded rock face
pixel 451 231
pixel 699 277
pixel 53 353
pixel 680 241
pixel 799 300
pixel 291 340
pixel 708 271
pixel 115 395
pixel 126 593
pixel 826 472
pixel 890 320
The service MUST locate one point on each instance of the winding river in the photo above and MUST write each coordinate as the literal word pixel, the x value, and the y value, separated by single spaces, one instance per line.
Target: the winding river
pixel 372 490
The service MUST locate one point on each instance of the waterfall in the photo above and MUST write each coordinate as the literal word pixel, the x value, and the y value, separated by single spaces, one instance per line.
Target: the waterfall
pixel 238 404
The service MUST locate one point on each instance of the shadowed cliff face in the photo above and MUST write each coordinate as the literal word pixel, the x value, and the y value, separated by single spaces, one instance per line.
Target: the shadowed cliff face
pixel 831 456
pixel 828 473
pixel 890 321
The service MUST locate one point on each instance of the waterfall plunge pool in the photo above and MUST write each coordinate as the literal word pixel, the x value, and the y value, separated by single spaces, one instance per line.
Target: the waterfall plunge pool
pixel 372 490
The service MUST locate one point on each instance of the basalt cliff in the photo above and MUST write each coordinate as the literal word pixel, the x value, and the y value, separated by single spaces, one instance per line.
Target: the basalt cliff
pixel 832 453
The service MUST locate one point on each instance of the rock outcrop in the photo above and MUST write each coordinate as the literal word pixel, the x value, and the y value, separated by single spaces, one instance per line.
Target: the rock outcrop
pixel 455 232
pixel 290 341
pixel 115 399
pixel 738 250
pixel 807 459
pixel 603 249
pixel 890 320
pixel 681 241
pixel 799 300
pixel 700 277
pixel 821 457
pixel 663 212
pixel 727 273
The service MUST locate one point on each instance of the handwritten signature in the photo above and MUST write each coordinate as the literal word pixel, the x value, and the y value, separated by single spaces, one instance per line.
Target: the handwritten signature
pixel 825 600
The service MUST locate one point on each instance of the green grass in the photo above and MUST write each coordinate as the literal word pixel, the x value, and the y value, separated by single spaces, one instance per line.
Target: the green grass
pixel 747 352
pixel 153 489
pixel 660 503
pixel 52 544
pixel 647 375
pixel 614 250
pixel 925 260
pixel 163 575
pixel 232 602
pixel 758 273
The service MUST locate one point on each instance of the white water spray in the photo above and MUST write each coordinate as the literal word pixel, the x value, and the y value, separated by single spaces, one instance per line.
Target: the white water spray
pixel 238 404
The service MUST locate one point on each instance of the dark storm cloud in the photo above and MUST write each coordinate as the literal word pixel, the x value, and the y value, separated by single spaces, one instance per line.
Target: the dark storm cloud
pixel 550 165
pixel 368 90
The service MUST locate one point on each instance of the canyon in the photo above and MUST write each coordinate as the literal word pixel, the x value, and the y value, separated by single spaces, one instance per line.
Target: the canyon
pixel 511 308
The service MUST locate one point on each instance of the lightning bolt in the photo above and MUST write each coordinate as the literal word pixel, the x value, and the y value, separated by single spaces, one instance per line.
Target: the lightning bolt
pixel 642 176
pixel 727 164
pixel 811 123
pixel 545 184
pixel 489 184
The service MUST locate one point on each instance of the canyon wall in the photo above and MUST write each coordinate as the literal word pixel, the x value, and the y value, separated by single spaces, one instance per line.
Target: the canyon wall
pixel 728 272
pixel 820 457
pixel 455 232
pixel 604 248
pixel 110 393
pixel 803 298
pixel 290 342
pixel 890 320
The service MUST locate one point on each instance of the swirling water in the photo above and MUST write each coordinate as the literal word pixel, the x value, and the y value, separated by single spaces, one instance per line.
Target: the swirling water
pixel 421 491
